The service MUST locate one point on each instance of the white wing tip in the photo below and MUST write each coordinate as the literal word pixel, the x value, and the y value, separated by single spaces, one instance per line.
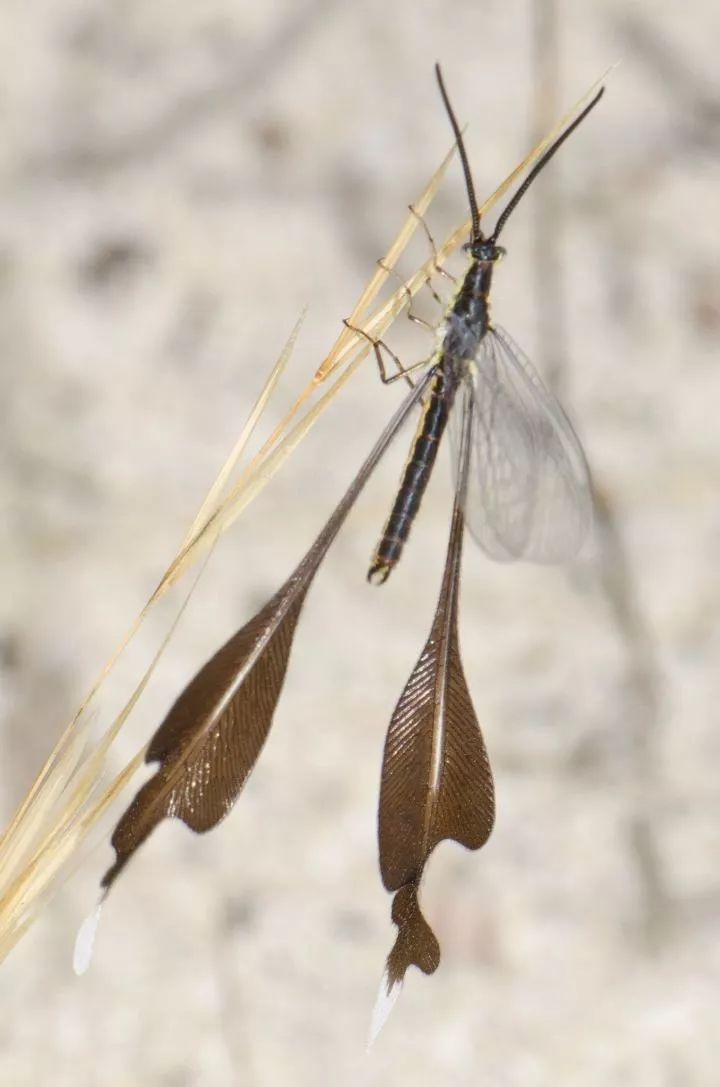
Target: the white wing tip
pixel 85 941
pixel 384 1004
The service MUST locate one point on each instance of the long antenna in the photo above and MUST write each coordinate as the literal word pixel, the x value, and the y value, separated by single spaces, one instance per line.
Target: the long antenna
pixel 476 231
pixel 541 164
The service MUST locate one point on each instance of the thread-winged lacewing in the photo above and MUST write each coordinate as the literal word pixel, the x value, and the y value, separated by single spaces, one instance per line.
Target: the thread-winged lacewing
pixel 523 488
pixel 528 495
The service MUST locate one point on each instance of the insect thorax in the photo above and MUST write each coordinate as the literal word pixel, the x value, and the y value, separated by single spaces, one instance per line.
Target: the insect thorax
pixel 462 337
pixel 468 318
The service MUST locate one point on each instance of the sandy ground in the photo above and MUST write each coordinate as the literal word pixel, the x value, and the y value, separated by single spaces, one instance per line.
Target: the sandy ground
pixel 176 182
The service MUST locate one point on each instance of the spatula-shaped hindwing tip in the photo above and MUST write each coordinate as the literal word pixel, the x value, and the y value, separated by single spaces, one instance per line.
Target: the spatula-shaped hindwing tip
pixel 416 944
pixel 436 779
pixel 212 736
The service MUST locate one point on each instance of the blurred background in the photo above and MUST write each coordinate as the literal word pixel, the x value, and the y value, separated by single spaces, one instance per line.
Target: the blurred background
pixel 176 182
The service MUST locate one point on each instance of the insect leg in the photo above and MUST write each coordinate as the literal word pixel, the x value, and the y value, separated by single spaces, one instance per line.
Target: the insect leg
pixel 403 371
pixel 409 313
pixel 431 242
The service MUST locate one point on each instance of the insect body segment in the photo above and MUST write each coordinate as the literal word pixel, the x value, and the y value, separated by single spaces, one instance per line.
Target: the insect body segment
pixel 415 476
pixel 467 322
pixel 468 318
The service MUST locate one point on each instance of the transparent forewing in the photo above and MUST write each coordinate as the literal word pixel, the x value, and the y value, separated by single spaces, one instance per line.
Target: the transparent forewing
pixel 529 494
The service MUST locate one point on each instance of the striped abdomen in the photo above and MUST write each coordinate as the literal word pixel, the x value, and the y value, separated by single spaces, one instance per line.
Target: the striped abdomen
pixel 415 477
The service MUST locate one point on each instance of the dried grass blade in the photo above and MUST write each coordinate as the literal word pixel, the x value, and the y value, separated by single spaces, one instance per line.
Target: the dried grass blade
pixel 531 158
pixel 212 498
pixel 57 821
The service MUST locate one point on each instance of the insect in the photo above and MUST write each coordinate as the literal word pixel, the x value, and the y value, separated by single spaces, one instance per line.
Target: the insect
pixel 529 494
pixel 522 485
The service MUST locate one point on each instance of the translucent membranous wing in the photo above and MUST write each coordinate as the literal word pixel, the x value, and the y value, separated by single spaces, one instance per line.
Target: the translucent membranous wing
pixel 529 494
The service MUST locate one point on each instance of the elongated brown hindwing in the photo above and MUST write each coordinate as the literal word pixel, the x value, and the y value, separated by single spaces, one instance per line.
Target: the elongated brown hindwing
pixel 211 738
pixel 436 778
